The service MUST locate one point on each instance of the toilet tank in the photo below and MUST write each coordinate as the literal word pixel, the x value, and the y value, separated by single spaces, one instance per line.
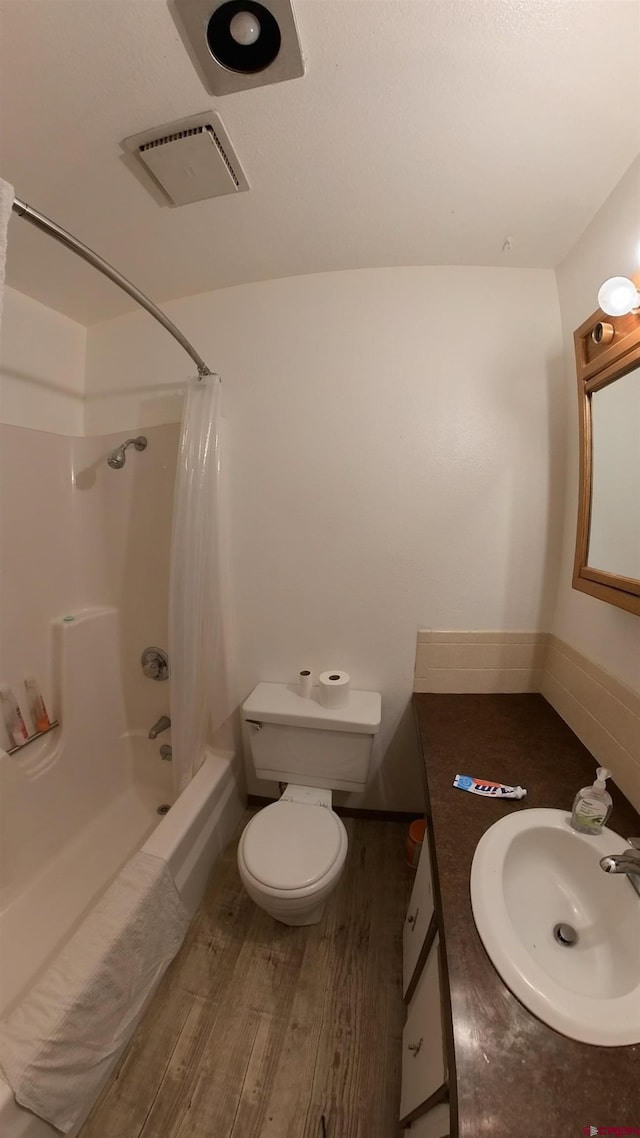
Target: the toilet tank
pixel 293 739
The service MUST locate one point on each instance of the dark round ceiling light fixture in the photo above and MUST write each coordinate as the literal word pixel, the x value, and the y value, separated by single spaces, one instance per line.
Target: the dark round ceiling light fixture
pixel 243 36
pixel 239 44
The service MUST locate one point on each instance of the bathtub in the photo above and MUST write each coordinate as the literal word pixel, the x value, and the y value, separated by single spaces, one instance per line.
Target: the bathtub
pixel 189 838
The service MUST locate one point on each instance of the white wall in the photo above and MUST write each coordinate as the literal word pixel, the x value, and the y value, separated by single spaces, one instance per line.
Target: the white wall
pixel 392 438
pixel 610 246
pixel 397 440
pixel 42 364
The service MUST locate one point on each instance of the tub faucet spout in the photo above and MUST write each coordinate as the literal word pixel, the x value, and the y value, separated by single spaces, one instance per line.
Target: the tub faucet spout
pixel 163 724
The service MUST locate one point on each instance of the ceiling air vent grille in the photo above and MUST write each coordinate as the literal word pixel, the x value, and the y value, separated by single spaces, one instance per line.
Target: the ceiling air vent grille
pixel 191 160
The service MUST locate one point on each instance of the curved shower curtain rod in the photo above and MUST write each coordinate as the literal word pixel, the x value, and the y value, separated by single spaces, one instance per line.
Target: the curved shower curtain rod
pixel 87 254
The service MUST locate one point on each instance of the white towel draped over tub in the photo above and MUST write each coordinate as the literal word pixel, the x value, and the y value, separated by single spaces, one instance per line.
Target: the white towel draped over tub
pixel 56 1046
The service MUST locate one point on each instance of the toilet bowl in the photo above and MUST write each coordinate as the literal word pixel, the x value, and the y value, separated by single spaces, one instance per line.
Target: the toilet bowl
pixel 291 855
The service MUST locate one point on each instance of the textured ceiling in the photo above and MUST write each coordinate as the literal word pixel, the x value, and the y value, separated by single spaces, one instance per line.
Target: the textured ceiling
pixel 424 132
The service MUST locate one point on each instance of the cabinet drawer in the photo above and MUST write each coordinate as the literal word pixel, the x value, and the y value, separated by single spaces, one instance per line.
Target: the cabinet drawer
pixel 434 1124
pixel 418 917
pixel 423 1067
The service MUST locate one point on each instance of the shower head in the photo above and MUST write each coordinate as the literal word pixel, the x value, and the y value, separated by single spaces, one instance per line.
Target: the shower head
pixel 117 457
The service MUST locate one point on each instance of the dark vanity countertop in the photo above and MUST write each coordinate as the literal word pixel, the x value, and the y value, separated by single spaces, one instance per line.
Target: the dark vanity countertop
pixel 515 1077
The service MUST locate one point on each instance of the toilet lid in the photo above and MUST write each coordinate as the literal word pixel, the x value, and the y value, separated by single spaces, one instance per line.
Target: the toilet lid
pixel 290 845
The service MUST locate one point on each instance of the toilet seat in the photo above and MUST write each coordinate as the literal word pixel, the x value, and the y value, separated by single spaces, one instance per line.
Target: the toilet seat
pixel 291 845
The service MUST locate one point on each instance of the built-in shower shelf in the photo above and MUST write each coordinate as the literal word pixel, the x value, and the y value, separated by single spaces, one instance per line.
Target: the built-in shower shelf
pixel 32 738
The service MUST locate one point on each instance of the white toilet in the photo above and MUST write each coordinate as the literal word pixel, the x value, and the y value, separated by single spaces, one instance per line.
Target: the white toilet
pixel 292 853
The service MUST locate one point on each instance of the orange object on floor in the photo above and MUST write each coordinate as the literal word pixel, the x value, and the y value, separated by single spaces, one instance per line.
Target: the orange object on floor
pixel 414 841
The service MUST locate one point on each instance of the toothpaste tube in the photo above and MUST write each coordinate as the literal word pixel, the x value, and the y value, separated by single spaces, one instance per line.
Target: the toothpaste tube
pixel 489 789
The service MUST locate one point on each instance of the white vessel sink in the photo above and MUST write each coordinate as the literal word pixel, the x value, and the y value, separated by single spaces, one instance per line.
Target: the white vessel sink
pixel 532 872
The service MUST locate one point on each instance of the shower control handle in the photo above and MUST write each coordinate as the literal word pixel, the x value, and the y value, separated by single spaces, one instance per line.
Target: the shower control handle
pixel 155 664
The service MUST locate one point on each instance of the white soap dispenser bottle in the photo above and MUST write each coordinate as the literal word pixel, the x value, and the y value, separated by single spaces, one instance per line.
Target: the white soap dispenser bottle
pixel 592 805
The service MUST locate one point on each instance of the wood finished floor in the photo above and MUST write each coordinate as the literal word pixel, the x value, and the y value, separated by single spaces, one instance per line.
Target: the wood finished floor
pixel 258 1030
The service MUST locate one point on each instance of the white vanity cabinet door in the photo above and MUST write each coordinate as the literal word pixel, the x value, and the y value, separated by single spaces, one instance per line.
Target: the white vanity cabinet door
pixel 434 1124
pixel 423 1067
pixel 418 917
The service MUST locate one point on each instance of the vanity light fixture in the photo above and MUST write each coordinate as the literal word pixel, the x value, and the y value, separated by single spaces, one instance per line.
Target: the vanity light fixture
pixel 618 296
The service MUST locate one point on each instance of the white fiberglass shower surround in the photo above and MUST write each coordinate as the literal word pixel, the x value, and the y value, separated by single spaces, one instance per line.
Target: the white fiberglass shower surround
pixel 81 804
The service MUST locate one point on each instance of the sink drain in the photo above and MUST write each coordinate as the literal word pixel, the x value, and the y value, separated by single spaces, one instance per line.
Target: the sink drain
pixel 565 935
pixel 164 809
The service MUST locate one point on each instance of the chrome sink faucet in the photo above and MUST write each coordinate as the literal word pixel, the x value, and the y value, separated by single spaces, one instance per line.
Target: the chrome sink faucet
pixel 627 862
pixel 163 724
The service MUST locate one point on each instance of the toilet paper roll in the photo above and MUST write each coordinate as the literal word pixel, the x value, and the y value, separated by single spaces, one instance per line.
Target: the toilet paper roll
pixel 305 680
pixel 334 689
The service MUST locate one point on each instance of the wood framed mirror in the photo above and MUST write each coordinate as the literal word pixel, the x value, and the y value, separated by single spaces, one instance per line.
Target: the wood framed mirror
pixel 607 559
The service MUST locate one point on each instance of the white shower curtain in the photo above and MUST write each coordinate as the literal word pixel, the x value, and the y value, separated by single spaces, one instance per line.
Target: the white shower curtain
pixel 196 649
